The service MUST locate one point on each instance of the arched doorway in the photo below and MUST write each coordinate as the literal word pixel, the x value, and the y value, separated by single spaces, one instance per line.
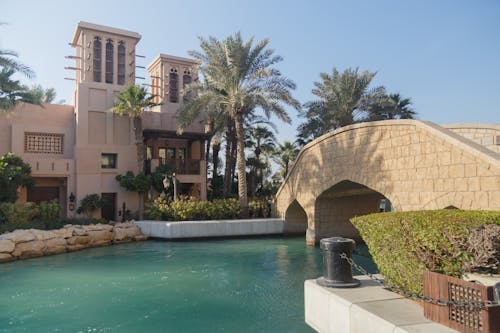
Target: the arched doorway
pixel 346 199
pixel 295 219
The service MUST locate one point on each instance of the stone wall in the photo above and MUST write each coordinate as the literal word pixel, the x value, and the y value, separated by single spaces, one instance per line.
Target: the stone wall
pixel 23 244
pixel 487 135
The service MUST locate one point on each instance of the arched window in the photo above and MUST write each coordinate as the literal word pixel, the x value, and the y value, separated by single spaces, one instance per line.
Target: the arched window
pixel 186 80
pixel 173 86
pixel 97 59
pixel 109 61
pixel 121 62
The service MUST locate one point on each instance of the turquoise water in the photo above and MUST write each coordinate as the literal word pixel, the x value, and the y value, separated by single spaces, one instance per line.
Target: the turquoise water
pixel 241 285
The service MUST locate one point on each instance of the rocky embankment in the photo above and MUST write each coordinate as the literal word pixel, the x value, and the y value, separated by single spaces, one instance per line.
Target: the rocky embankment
pixel 23 244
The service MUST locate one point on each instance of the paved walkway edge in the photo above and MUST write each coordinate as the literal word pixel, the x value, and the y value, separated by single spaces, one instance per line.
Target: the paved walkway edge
pixel 368 308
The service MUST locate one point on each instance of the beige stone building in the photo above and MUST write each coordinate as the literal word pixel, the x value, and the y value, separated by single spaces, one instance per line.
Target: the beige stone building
pixel 79 149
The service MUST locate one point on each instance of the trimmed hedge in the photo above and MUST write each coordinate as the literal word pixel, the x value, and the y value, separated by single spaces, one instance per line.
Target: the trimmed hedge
pixel 189 209
pixel 404 244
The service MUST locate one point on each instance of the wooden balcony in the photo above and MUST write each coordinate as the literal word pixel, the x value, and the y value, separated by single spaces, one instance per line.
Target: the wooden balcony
pixel 181 166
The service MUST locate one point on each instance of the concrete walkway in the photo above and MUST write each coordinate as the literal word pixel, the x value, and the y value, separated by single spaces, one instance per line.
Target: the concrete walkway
pixel 368 308
pixel 215 228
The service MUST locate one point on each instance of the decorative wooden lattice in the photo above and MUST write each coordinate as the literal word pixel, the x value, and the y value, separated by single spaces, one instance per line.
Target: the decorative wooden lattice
pixel 46 143
pixel 468 319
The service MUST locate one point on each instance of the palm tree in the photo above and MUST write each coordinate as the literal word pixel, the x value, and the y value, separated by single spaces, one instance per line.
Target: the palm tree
pixel 261 139
pixel 240 77
pixel 133 101
pixel 12 91
pixel 285 156
pixel 344 98
pixel 393 107
pixel 7 61
pixel 44 95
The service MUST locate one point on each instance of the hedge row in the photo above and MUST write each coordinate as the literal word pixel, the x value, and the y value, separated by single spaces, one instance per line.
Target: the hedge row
pixel 451 242
pixel 44 216
pixel 189 209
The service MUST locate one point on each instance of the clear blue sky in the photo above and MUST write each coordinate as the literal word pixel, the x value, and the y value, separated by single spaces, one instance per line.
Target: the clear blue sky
pixel 443 54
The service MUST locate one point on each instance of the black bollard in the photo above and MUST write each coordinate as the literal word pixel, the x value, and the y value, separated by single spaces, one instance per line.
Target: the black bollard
pixel 337 271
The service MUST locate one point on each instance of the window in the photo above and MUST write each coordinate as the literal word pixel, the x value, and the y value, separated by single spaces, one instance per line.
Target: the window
pixel 149 153
pixel 174 86
pixel 170 153
pixel 108 161
pixel 49 143
pixel 182 153
pixel 97 59
pixel 121 62
pixel 109 61
pixel 186 80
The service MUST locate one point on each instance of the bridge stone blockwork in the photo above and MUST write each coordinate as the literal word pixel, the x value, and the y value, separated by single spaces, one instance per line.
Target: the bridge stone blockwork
pixel 412 164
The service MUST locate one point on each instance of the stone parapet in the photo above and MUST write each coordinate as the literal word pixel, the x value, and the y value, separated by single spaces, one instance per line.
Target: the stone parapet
pixel 24 244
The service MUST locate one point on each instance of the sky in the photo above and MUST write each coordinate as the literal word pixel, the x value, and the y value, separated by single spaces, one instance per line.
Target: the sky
pixel 444 55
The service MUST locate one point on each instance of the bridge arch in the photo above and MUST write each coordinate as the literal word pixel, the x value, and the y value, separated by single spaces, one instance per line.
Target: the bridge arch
pixel 296 219
pixel 416 165
pixel 346 199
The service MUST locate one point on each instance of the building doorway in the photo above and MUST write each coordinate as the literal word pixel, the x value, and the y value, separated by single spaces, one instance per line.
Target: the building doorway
pixel 108 210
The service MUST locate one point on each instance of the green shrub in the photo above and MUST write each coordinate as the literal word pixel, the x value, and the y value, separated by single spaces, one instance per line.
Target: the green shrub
pixel 89 204
pixel 259 207
pixel 404 244
pixel 17 215
pixel 49 210
pixel 188 209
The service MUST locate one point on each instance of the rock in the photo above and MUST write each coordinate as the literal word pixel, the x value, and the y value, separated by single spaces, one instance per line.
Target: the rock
pixel 98 227
pixel 101 237
pixel 77 231
pixel 63 233
pixel 55 245
pixel 124 225
pixel 29 249
pixel 125 234
pixel 4 257
pixel 6 245
pixel 140 237
pixel 19 236
pixel 43 234
pixel 75 247
pixel 78 240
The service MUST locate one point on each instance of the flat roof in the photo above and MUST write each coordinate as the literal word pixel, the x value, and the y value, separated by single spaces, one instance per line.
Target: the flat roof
pixel 173 58
pixel 97 27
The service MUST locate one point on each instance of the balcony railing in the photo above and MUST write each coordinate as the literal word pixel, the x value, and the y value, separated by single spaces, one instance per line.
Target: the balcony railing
pixel 181 167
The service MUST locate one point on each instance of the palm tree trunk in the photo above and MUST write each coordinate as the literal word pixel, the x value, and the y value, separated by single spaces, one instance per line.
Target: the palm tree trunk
pixel 234 156
pixel 207 152
pixel 139 141
pixel 241 162
pixel 215 157
pixel 227 169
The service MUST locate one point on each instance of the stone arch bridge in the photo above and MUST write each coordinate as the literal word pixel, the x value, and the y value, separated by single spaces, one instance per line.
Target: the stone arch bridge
pixel 401 165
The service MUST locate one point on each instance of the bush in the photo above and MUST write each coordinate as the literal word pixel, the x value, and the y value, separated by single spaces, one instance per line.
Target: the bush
pixel 17 215
pixel 259 208
pixel 89 204
pixel 188 209
pixel 404 244
pixel 49 210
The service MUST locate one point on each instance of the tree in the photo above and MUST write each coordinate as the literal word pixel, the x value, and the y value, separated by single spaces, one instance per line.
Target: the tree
pixel 260 140
pixel 44 95
pixel 14 173
pixel 12 91
pixel 240 77
pixel 133 101
pixel 393 106
pixel 285 156
pixel 344 98
pixel 139 183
